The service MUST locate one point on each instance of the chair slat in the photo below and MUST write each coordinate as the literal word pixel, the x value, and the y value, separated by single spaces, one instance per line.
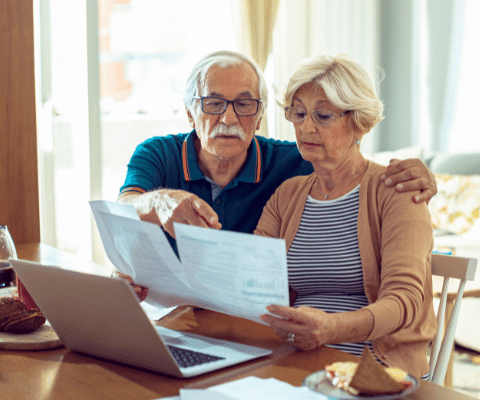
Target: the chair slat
pixel 462 268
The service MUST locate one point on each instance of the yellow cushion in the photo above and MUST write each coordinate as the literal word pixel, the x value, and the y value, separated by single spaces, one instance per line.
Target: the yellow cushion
pixel 455 207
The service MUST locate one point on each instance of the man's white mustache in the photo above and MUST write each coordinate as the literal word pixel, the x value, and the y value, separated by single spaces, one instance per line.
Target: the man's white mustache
pixel 224 130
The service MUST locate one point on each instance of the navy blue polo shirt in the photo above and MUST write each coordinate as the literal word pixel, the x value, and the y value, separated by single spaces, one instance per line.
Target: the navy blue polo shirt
pixel 171 162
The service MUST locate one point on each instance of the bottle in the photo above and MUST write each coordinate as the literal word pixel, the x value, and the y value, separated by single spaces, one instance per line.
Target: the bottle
pixel 7 250
pixel 7 274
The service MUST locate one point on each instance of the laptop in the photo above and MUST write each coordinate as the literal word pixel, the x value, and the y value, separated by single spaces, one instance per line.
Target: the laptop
pixel 102 317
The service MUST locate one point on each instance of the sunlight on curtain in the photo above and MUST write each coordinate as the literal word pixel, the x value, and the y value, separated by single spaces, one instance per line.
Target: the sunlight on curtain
pixel 465 132
pixel 257 23
pixel 445 22
pixel 449 80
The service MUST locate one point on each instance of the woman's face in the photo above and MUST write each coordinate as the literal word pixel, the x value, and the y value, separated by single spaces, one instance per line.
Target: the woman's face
pixel 326 146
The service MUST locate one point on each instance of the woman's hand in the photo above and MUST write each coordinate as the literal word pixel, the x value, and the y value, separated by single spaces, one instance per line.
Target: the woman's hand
pixel 312 327
pixel 141 291
pixel 411 175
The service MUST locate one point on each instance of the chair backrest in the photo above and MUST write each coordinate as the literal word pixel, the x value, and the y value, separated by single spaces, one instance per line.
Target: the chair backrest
pixel 462 268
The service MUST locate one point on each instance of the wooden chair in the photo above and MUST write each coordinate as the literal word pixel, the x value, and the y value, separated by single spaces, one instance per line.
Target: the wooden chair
pixel 462 268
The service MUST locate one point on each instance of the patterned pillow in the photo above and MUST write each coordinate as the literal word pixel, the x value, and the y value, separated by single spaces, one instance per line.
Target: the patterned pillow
pixel 455 207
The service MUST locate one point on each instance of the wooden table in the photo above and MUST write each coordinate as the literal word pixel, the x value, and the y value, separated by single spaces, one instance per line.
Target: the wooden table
pixel 63 374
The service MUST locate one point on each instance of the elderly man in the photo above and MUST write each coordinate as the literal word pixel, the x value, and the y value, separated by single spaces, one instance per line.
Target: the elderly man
pixel 220 175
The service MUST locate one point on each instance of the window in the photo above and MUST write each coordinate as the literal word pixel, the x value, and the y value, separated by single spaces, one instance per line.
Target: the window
pixel 146 48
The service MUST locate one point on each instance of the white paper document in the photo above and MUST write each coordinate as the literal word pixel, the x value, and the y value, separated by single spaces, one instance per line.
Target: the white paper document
pixel 234 273
pixel 251 388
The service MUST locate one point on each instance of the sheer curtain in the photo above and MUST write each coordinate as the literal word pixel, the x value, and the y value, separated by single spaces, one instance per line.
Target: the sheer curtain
pixel 445 26
pixel 310 27
pixel 258 21
pixel 463 133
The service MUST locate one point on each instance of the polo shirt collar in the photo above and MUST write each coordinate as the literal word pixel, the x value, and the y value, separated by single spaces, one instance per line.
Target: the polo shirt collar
pixel 251 172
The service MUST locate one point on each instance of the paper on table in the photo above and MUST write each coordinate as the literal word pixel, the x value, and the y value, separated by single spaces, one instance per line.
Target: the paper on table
pixel 170 398
pixel 234 273
pixel 253 388
pixel 201 394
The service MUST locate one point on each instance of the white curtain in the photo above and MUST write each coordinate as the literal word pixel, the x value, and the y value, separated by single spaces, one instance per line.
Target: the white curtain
pixel 257 22
pixel 445 23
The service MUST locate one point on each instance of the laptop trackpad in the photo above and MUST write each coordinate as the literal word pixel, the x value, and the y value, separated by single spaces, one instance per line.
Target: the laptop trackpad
pixel 186 341
pixel 175 338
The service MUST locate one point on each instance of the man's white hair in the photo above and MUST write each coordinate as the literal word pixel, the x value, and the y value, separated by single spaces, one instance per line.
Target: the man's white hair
pixel 223 59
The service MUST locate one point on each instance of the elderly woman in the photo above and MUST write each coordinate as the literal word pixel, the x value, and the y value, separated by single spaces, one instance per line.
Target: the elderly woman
pixel 359 253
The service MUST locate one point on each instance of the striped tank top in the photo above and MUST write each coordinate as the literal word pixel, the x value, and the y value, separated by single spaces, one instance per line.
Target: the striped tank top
pixel 324 265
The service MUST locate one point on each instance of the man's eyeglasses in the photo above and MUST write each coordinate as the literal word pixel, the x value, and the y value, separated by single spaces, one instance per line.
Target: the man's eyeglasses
pixel 321 117
pixel 216 106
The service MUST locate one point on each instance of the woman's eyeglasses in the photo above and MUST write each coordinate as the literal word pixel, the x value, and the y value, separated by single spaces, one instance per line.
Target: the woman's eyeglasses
pixel 321 117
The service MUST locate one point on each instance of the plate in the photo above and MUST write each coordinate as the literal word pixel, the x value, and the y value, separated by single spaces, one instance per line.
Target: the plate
pixel 44 338
pixel 318 382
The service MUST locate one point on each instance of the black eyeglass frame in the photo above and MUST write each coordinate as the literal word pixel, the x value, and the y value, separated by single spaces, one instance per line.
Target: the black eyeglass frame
pixel 337 115
pixel 227 102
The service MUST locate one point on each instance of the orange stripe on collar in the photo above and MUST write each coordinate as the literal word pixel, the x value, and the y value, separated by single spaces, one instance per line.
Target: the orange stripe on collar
pixel 186 172
pixel 258 166
pixel 133 189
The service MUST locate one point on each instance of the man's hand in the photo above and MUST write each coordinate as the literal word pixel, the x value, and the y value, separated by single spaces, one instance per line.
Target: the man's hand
pixel 141 291
pixel 411 175
pixel 184 207
pixel 166 206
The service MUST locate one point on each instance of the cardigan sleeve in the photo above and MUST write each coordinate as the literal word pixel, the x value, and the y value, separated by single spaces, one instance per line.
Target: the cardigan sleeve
pixel 270 221
pixel 405 243
pixel 283 212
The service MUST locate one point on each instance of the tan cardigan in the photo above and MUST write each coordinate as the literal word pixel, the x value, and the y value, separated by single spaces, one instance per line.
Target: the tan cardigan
pixel 395 240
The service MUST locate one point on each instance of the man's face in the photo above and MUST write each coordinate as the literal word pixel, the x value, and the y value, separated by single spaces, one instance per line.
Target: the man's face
pixel 231 83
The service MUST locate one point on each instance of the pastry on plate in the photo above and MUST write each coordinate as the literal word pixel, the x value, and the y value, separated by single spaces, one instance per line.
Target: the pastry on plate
pixel 367 377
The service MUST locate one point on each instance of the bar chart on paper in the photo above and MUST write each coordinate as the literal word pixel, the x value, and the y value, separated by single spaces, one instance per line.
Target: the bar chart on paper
pixel 254 283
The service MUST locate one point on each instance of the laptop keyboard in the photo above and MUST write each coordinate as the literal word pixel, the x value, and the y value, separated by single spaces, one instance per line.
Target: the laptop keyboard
pixel 188 358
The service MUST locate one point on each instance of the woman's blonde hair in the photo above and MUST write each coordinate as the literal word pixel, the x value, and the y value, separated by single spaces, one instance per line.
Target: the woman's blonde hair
pixel 346 85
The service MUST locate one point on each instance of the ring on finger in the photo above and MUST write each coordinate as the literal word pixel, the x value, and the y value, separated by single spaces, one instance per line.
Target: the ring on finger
pixel 291 338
